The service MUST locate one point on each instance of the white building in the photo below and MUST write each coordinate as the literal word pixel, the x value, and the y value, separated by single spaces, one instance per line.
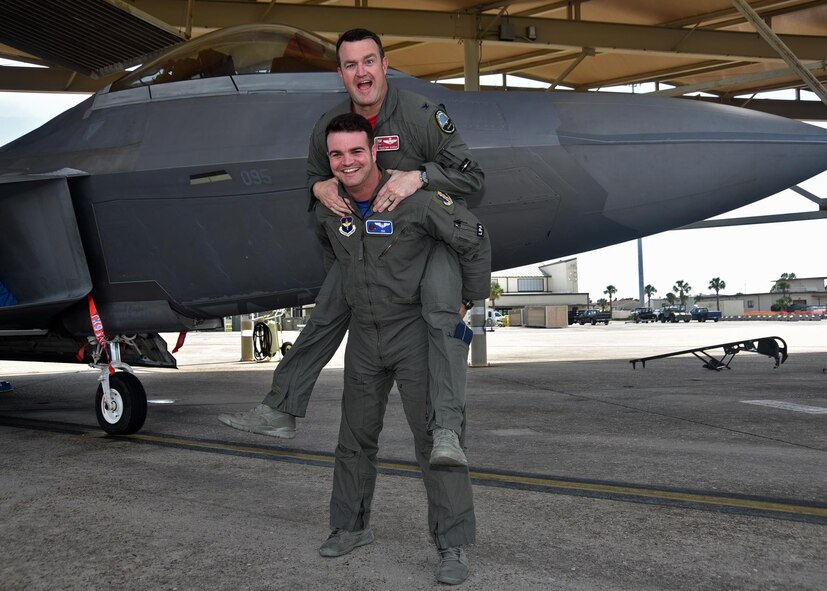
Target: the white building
pixel 557 285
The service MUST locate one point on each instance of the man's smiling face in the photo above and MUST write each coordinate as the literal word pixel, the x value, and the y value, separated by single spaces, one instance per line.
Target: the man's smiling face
pixel 351 159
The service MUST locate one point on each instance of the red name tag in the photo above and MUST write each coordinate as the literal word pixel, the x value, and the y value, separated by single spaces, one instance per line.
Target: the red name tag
pixel 386 143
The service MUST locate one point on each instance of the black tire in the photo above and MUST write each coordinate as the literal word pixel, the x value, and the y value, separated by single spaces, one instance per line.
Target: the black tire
pixel 606 323
pixel 285 347
pixel 686 319
pixel 594 321
pixel 129 413
pixel 262 341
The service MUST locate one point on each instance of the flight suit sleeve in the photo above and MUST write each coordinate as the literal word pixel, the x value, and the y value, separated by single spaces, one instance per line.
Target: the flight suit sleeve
pixel 449 162
pixel 321 233
pixel 463 232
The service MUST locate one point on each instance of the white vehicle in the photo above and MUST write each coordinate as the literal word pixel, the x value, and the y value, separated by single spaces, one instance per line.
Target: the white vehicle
pixel 494 318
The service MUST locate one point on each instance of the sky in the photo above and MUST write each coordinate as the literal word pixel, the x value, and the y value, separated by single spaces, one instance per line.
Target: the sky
pixel 747 258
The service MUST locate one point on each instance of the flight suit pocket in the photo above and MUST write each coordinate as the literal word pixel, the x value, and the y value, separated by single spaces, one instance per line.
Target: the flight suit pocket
pixel 466 234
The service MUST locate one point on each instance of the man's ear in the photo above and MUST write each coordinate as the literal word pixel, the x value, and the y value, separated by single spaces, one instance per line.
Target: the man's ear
pixel 340 74
pixel 374 151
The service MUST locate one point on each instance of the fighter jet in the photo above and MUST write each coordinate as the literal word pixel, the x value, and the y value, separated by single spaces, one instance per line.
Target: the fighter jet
pixel 176 196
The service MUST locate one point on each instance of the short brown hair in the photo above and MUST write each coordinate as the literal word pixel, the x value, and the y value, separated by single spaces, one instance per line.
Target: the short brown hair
pixel 350 122
pixel 358 35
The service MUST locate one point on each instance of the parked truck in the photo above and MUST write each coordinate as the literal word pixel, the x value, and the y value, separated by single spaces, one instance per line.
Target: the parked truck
pixel 593 317
pixel 574 314
pixel 703 314
pixel 644 315
pixel 674 314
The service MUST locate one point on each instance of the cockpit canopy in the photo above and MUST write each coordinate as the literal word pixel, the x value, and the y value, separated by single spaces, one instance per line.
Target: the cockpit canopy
pixel 246 49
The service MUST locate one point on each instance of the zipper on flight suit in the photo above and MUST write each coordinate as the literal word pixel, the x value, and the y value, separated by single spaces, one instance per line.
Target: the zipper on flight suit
pixel 363 257
pixel 392 242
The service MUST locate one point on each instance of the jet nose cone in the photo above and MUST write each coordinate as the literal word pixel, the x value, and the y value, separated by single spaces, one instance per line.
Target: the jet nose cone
pixel 666 162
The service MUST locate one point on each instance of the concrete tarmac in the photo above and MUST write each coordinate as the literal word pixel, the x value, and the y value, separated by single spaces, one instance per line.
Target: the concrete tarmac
pixel 588 474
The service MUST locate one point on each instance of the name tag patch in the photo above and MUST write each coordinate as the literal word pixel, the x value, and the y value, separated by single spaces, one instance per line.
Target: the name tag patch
pixel 379 227
pixel 386 143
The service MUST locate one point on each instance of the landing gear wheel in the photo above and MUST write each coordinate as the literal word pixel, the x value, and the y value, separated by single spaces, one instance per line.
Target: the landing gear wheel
pixel 128 412
pixel 262 341
pixel 285 347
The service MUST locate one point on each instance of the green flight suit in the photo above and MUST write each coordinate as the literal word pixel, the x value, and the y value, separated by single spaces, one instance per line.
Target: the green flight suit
pixel 382 259
pixel 417 133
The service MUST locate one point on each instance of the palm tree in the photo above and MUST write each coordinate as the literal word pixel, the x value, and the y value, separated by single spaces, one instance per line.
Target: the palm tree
pixel 649 290
pixel 782 284
pixel 670 297
pixel 610 291
pixel 496 292
pixel 717 284
pixel 602 303
pixel 682 288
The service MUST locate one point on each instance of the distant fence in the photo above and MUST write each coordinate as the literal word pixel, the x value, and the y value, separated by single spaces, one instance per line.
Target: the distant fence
pixel 776 316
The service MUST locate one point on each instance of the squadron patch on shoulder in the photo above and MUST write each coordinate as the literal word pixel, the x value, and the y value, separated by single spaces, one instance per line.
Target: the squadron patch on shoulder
pixel 379 227
pixel 480 231
pixel 444 122
pixel 445 201
pixel 347 228
pixel 444 198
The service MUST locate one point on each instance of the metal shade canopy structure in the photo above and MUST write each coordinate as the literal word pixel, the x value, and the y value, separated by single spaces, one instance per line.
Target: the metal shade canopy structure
pixel 707 45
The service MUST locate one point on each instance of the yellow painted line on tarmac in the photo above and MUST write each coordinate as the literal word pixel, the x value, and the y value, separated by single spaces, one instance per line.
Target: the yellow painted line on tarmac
pixel 260 451
pixel 630 492
pixel 667 495
pixel 611 491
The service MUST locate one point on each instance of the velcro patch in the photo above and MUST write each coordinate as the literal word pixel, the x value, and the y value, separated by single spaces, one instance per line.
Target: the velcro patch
pixel 480 231
pixel 444 122
pixel 347 228
pixel 379 227
pixel 386 143
pixel 444 198
pixel 445 201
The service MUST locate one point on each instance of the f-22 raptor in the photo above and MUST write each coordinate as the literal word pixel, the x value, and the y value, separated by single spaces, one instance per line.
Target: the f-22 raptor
pixel 176 196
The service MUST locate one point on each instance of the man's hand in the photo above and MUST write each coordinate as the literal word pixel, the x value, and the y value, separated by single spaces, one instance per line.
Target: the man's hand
pixel 327 192
pixel 399 187
pixel 462 311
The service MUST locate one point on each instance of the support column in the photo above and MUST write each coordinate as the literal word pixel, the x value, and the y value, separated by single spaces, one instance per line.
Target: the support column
pixel 641 294
pixel 471 48
pixel 247 338
pixel 479 347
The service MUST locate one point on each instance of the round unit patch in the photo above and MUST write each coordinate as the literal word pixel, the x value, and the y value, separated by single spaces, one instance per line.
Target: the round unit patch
pixel 444 122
